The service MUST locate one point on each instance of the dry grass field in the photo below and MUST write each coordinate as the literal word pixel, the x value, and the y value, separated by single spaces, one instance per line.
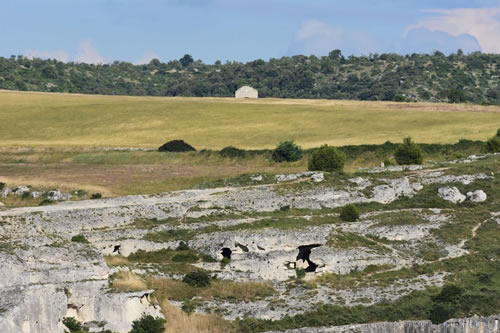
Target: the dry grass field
pixel 60 140
pixel 44 119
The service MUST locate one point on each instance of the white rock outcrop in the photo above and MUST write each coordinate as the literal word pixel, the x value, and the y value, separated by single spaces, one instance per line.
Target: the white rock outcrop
pixel 451 194
pixel 477 196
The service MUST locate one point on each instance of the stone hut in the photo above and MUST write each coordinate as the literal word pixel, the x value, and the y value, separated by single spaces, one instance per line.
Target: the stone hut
pixel 246 92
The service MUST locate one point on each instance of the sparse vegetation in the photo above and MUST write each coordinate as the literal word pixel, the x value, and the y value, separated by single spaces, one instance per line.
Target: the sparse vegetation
pixel 233 152
pixel 79 239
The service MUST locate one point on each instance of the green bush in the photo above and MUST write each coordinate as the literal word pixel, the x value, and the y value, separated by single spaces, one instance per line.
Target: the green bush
pixel 73 325
pixel 188 306
pixel 182 247
pixel 408 153
pixel 493 144
pixel 232 152
pixel 185 256
pixel 96 196
pixel 498 132
pixel 197 279
pixel 148 324
pixel 327 158
pixel 287 151
pixel 446 304
pixel 79 239
pixel 388 162
pixel 178 146
pixel 349 213
pixel 300 273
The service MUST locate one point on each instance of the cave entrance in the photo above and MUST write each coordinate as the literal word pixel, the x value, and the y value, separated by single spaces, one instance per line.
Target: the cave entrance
pixel 226 252
pixel 116 249
pixel 304 253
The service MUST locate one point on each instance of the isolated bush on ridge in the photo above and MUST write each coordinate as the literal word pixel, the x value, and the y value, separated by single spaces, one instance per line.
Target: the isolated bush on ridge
pixel 327 158
pixel 408 153
pixel 287 151
pixel 177 146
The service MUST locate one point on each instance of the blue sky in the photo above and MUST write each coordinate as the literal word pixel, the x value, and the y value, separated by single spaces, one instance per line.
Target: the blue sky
pixel 138 30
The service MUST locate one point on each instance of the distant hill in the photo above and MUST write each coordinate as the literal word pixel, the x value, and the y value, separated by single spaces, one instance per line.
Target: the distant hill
pixel 455 78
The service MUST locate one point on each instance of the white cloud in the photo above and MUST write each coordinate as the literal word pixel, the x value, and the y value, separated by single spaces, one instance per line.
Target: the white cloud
pixel 146 58
pixel 58 54
pixel 481 23
pixel 316 37
pixel 87 53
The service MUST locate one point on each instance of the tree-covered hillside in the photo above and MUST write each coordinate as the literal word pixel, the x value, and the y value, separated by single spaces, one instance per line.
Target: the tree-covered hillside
pixel 418 77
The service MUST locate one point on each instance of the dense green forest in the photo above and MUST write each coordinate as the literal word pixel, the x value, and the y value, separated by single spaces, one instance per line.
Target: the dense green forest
pixel 433 77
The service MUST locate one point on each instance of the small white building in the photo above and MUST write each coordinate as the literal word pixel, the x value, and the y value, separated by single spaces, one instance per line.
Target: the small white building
pixel 246 92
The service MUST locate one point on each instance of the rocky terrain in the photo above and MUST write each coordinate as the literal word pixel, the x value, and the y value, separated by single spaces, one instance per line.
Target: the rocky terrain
pixel 283 231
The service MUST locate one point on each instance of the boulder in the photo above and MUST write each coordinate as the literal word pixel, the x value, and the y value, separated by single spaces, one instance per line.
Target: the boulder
pixel 477 196
pixel 318 177
pixel 56 195
pixel 36 194
pixel 21 190
pixel 451 194
pixel 5 192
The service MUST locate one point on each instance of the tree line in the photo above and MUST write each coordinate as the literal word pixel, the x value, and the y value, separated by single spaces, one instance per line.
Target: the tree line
pixel 436 77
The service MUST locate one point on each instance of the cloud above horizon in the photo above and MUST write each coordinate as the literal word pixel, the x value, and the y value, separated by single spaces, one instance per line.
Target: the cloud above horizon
pixel 88 53
pixel 481 23
pixel 316 37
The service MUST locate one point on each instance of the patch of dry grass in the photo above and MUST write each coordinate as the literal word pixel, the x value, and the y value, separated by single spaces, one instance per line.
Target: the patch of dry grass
pixel 113 261
pixel 77 120
pixel 178 321
pixel 242 291
pixel 127 281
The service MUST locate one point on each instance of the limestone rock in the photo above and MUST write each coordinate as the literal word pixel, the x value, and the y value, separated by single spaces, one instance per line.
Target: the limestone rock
pixel 318 177
pixel 56 195
pixel 477 196
pixel 21 190
pixel 5 192
pixel 36 194
pixel 257 178
pixel 451 194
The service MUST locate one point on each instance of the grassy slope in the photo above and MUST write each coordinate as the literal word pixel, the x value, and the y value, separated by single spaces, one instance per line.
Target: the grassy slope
pixel 62 119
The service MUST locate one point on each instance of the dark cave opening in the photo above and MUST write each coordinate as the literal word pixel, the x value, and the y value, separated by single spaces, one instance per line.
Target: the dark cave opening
pixel 226 252
pixel 304 253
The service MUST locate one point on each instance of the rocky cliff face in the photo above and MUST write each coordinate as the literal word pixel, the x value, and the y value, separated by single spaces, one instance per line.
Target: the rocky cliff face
pixel 466 325
pixel 46 277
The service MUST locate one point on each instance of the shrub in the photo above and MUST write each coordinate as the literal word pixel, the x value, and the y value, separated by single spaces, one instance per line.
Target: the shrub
pixel 148 324
pixel 349 213
pixel 185 256
pixel 182 247
pixel 408 153
pixel 287 151
pixel 79 239
pixel 2 185
pixel 493 144
pixel 197 279
pixel 388 162
pixel 300 273
pixel 327 159
pixel 232 152
pixel 178 146
pixel 96 196
pixel 188 306
pixel 498 132
pixel 73 325
pixel 446 304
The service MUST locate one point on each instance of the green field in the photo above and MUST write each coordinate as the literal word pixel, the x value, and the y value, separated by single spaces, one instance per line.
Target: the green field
pixel 43 119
